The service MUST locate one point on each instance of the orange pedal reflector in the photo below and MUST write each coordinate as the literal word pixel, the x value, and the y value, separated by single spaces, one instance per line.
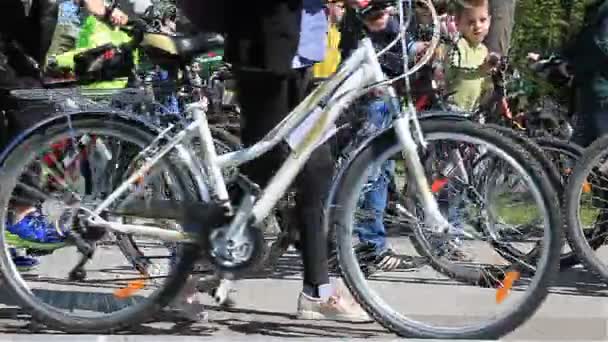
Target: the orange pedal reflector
pixel 507 284
pixel 130 290
pixel 438 184
pixel 586 187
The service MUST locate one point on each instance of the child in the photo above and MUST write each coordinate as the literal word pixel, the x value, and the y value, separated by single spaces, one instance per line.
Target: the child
pixel 467 78
pixel 467 74
pixel 374 250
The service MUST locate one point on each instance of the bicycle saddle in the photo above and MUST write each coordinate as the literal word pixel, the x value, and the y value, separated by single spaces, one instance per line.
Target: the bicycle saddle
pixel 183 48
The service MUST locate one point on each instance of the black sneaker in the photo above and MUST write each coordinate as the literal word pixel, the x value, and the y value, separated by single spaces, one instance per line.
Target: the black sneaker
pixel 365 252
pixel 370 262
pixel 389 261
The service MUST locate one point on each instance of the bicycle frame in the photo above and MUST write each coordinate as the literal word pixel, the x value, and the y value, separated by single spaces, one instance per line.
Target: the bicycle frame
pixel 359 72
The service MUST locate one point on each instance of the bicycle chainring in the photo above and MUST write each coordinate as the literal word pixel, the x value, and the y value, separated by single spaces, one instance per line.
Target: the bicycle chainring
pixel 233 259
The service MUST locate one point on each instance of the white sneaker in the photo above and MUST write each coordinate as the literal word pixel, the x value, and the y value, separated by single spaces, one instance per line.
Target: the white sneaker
pixel 339 307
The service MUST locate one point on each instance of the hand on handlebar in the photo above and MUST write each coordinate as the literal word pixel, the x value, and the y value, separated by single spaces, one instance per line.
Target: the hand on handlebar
pixel 541 64
pixel 490 63
pixel 118 17
pixel 99 9
pixel 533 57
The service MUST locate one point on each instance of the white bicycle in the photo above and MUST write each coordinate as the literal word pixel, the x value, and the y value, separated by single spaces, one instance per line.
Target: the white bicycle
pixel 215 228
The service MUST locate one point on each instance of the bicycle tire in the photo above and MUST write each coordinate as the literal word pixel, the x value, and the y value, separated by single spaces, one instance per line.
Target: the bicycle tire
pixel 575 152
pixel 42 312
pixel 344 198
pixel 571 199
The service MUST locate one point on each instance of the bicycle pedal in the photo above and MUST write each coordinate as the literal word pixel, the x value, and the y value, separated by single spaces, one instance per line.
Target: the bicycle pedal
pixel 221 294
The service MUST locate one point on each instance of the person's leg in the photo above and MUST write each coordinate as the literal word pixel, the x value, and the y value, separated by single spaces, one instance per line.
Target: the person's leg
pixel 275 99
pixel 47 17
pixel 503 19
pixel 27 224
pixel 319 299
pixel 313 185
pixel 374 252
pixel 370 229
pixel 9 79
pixel 374 197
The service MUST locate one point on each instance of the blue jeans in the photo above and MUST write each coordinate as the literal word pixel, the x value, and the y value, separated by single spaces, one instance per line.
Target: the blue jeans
pixel 374 196
pixel 452 198
pixel 169 103
pixel 452 201
pixel 373 201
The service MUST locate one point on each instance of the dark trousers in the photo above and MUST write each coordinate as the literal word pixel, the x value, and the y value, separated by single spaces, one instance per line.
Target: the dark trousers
pixel 33 34
pixel 265 100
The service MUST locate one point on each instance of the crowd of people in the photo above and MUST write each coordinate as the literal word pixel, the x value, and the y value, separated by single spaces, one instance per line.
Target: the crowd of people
pixel 284 45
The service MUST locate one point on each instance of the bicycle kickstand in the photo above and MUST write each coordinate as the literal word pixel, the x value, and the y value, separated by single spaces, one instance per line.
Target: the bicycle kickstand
pixel 78 273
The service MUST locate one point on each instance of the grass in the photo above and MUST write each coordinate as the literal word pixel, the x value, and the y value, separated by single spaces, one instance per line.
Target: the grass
pixel 517 212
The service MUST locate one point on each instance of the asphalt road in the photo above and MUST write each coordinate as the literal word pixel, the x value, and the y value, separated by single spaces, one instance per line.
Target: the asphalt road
pixel 575 310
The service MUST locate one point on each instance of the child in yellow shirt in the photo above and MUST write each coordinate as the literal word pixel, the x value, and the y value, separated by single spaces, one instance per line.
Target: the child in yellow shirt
pixel 468 73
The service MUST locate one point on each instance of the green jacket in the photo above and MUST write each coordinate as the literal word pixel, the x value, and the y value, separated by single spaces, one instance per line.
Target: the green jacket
pixel 92 34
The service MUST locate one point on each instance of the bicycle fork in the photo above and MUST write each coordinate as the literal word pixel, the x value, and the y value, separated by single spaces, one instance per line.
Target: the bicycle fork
pixel 432 215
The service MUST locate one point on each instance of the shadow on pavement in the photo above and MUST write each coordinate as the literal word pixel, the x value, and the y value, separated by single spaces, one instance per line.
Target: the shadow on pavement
pixel 170 327
pixel 579 282
pixel 297 329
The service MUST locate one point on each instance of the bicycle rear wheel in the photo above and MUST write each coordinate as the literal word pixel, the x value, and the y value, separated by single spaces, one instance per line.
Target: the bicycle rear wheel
pixel 585 207
pixel 143 256
pixel 108 298
pixel 564 155
pixel 445 324
pixel 557 158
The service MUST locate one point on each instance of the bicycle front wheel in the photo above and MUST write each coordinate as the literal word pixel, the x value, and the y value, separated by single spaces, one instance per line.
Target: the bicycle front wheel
pixel 496 311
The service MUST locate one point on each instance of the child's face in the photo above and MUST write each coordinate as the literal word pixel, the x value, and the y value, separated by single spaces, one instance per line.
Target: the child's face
pixel 474 24
pixel 423 15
